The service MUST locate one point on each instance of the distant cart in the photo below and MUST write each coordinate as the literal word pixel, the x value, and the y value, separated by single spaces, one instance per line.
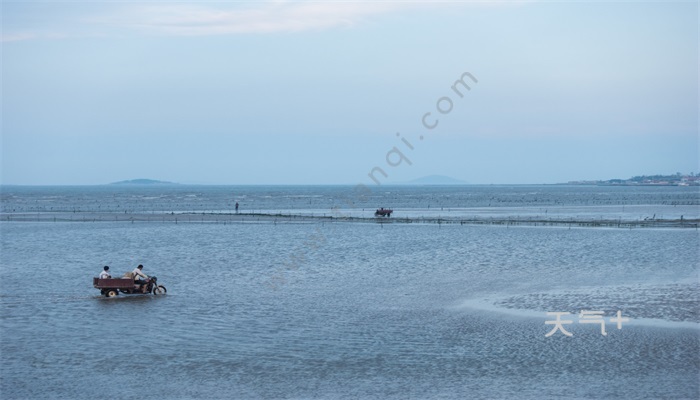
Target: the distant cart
pixel 113 286
pixel 383 212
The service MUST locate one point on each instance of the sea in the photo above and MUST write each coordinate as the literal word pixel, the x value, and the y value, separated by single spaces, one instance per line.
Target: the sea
pixel 351 308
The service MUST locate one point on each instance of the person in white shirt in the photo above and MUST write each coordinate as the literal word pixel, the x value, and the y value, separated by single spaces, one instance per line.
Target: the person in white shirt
pixel 138 275
pixel 105 273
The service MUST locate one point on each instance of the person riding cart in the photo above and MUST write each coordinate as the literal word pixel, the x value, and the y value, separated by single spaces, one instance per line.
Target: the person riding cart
pixel 105 273
pixel 138 274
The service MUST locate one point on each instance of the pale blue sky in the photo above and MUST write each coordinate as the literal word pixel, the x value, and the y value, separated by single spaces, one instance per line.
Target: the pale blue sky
pixel 314 92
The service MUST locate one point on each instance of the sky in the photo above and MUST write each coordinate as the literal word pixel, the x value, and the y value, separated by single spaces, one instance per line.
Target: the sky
pixel 345 92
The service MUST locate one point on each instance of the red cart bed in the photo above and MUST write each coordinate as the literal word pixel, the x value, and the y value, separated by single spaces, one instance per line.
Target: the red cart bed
pixel 113 283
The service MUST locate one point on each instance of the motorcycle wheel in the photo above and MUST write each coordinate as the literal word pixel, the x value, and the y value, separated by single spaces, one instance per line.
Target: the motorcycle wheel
pixel 112 293
pixel 160 289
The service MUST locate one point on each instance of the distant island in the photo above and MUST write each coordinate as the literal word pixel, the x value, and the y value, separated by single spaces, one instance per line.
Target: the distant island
pixel 143 182
pixel 677 179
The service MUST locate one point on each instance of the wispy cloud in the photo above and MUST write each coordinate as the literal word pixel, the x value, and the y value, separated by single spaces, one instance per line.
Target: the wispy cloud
pixel 16 37
pixel 48 21
pixel 203 19
pixel 197 20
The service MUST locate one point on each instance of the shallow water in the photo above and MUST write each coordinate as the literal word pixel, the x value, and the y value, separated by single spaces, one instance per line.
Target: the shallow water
pixel 341 310
pixel 433 199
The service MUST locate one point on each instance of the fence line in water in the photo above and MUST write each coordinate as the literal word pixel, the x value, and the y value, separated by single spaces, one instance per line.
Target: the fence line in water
pixel 233 218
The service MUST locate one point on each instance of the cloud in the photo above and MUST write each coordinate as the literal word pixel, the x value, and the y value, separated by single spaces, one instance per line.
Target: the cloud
pixel 17 37
pixel 198 20
pixel 118 18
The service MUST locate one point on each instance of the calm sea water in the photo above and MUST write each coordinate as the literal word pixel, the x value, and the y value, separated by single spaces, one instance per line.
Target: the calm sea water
pixel 348 310
pixel 184 198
